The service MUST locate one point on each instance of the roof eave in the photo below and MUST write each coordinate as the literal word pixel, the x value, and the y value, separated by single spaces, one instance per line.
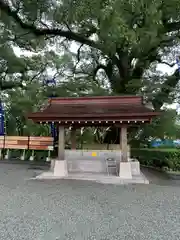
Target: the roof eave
pixel 55 117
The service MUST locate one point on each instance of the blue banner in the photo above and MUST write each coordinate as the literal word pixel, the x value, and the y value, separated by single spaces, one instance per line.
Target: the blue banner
pixel 2 132
pixel 53 127
pixel 160 143
pixel 53 130
pixel 51 82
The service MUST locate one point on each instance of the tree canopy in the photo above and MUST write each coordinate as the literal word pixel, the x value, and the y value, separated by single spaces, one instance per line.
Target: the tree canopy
pixel 124 38
pixel 100 47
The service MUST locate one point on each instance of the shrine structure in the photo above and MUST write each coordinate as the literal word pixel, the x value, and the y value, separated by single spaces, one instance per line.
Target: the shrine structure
pixel 105 111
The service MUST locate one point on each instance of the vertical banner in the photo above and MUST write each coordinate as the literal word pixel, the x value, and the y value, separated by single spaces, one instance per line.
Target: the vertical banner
pixel 53 130
pixel 2 132
pixel 51 83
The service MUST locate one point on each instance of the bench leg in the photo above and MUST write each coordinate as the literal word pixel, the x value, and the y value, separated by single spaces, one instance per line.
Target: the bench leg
pixel 7 155
pixel 23 155
pixel 32 156
pixel 1 155
pixel 48 157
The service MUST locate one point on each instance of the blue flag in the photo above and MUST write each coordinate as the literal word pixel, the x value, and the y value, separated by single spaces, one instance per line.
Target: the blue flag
pixel 51 82
pixel 2 132
pixel 53 130
pixel 53 127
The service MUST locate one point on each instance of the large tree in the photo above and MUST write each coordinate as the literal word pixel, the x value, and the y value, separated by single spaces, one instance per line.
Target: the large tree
pixel 21 101
pixel 125 38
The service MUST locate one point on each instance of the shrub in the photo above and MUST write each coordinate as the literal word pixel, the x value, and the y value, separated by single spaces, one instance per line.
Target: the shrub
pixel 174 162
pixel 160 158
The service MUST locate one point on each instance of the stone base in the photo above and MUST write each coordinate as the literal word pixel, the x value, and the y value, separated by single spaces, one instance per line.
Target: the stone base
pixel 60 168
pixel 125 171
pixel 129 174
pixel 135 168
pixel 52 164
pixel 86 165
pixel 98 178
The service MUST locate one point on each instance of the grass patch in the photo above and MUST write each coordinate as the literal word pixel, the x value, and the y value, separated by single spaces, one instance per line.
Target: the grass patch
pixel 161 149
pixel 173 172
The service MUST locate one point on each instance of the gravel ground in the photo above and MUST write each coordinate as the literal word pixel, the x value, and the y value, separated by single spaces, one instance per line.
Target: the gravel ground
pixel 64 209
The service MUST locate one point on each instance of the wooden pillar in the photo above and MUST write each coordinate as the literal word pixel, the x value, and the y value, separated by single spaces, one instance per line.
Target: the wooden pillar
pixel 125 171
pixel 73 138
pixel 60 166
pixel 123 144
pixel 61 144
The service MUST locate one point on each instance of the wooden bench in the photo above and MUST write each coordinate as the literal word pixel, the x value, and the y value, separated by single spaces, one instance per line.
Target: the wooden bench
pixel 26 143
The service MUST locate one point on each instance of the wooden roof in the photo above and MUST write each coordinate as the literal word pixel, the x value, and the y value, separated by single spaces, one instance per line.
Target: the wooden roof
pixel 95 110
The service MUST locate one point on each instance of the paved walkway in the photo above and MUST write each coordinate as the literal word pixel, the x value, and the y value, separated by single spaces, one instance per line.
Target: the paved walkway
pixel 80 210
pixel 159 178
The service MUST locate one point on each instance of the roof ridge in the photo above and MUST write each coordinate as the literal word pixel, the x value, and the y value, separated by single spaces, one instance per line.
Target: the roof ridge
pixel 95 97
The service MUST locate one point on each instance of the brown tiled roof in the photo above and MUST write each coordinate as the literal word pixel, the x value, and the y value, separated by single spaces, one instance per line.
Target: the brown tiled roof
pixel 100 108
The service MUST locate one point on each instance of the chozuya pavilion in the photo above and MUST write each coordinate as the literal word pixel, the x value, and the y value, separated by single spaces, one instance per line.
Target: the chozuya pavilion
pixel 118 111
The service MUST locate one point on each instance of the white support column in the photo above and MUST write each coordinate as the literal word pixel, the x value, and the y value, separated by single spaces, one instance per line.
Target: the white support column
pixel 60 165
pixel 125 166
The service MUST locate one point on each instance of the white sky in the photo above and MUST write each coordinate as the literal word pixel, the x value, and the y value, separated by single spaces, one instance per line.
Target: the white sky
pixel 74 47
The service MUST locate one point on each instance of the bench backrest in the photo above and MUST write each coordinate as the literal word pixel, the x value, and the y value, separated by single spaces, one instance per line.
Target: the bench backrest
pixel 25 142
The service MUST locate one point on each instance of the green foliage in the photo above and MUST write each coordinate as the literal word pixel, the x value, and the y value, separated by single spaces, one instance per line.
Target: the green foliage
pixel 120 44
pixel 160 158
pixel 18 104
pixel 163 127
pixel 123 39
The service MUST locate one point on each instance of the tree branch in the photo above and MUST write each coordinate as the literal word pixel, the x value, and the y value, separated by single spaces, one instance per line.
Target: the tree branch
pixel 78 57
pixel 39 73
pixel 148 57
pixel 79 53
pixel 166 89
pixel 169 64
pixel 45 31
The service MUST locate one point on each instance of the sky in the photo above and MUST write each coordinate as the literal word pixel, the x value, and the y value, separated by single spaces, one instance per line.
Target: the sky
pixel 74 47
